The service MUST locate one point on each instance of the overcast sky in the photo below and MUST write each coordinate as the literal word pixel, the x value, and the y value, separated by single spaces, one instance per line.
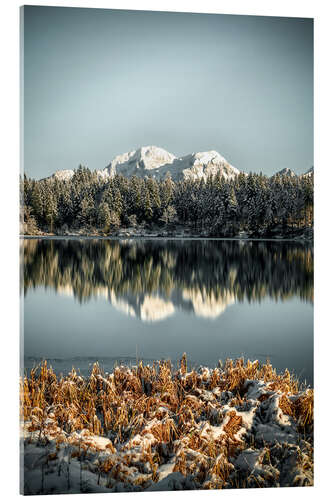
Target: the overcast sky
pixel 98 83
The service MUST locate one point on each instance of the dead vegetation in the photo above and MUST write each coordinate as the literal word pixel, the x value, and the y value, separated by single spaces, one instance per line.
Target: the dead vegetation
pixel 206 424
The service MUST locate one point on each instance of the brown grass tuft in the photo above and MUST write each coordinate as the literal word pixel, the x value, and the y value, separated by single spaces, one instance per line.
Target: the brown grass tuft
pixel 152 413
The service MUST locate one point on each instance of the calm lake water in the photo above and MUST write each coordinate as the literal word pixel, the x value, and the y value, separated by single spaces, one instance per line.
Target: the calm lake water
pixel 119 300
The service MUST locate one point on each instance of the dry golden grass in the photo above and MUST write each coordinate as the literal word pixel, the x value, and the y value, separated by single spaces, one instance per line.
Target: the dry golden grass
pixel 128 396
pixel 160 409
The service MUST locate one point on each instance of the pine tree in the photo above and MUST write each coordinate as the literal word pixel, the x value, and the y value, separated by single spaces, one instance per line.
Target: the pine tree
pixel 232 211
pixel 104 216
pixel 51 207
pixel 169 215
pixel 154 196
pixel 37 204
pixel 86 214
pixel 148 211
pixel 117 204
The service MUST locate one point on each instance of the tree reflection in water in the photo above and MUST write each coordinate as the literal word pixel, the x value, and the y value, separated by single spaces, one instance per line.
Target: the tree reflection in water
pixel 150 278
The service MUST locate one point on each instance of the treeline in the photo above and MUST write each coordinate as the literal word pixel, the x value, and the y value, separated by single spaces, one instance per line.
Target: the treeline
pixel 249 272
pixel 253 203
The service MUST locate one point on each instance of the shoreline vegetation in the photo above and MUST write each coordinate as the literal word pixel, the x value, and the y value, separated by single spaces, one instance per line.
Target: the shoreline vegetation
pixel 304 236
pixel 162 427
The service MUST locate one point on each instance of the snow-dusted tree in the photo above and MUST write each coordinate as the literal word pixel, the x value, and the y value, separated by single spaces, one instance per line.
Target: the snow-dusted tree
pixel 147 208
pixel 104 216
pixel 37 203
pixel 114 220
pixel 51 208
pixel 169 215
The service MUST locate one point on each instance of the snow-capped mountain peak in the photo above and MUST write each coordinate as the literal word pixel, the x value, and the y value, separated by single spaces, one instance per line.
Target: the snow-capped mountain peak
pixel 207 163
pixel 156 162
pixel 286 172
pixel 63 175
pixel 143 159
pixel 152 161
pixel 308 173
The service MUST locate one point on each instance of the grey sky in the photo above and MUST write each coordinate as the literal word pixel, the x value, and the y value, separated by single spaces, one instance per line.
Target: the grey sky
pixel 98 83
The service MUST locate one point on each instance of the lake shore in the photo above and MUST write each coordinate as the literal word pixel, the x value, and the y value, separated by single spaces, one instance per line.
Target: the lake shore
pixel 153 237
pixel 177 232
pixel 158 427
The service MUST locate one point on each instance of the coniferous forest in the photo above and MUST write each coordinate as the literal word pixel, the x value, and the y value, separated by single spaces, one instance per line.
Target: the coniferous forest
pixel 258 205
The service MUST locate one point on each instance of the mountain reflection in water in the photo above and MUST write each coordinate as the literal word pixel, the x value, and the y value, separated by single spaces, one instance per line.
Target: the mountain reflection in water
pixel 151 279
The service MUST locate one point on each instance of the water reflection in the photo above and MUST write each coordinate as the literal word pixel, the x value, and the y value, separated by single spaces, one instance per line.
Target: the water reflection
pixel 152 279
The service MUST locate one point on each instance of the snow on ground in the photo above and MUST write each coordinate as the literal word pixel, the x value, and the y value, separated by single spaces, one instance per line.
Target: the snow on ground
pixel 215 439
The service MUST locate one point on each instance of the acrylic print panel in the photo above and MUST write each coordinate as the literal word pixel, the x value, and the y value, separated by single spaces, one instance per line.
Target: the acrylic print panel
pixel 167 251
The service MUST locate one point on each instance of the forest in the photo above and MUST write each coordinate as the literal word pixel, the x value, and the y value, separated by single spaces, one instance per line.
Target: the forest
pixel 255 204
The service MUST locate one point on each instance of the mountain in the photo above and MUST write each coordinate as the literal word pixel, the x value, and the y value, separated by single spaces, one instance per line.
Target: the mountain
pixel 62 175
pixel 308 173
pixel 66 175
pixel 199 165
pixel 285 172
pixel 140 162
pixel 155 162
pixel 152 161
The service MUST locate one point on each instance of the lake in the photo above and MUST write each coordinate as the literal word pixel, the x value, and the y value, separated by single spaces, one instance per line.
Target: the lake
pixel 124 300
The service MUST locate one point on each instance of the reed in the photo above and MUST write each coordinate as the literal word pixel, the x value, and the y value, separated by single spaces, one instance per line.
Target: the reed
pixel 152 414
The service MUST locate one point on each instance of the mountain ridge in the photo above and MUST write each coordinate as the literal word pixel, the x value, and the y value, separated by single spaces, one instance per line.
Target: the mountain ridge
pixel 156 162
pixel 285 172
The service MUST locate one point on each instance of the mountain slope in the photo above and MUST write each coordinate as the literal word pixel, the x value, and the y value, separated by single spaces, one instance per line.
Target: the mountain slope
pixel 151 161
pixel 156 162
pixel 308 173
pixel 140 162
pixel 62 175
pixel 285 172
